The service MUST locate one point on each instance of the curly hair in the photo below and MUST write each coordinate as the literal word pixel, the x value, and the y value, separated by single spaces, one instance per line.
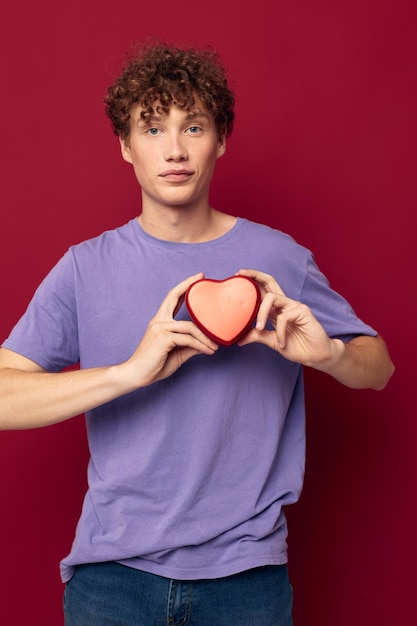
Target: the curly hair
pixel 162 76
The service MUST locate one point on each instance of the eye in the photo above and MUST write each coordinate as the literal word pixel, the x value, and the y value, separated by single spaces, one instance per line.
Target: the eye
pixel 193 130
pixel 153 131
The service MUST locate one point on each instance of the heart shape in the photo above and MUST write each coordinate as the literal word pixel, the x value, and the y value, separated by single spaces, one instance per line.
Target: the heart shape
pixel 223 309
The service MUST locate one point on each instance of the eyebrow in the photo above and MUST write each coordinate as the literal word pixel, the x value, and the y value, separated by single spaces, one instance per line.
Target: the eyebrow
pixel 192 115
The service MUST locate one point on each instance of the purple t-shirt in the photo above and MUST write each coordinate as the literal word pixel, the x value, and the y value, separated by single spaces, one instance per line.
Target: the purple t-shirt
pixel 187 477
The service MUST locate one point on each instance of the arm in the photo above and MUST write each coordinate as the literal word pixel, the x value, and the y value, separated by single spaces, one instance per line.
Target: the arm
pixel 361 363
pixel 30 397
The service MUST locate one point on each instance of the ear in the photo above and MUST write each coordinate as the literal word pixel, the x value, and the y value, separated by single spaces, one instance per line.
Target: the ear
pixel 125 150
pixel 221 146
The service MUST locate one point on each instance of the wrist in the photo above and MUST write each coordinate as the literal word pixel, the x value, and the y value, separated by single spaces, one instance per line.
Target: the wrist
pixel 124 377
pixel 334 359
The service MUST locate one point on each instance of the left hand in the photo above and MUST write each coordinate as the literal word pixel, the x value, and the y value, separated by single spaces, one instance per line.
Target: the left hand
pixel 298 335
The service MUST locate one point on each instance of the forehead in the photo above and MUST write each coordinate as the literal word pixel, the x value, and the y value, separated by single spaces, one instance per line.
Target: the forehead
pixel 174 111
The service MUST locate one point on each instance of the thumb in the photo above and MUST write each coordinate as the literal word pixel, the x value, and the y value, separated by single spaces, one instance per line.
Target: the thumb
pixel 257 336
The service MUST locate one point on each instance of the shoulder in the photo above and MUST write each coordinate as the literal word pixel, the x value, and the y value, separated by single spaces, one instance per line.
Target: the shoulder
pixel 256 246
pixel 107 240
pixel 276 253
pixel 90 257
pixel 269 236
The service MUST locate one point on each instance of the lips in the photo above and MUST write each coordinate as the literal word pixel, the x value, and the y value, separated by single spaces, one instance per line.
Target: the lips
pixel 174 175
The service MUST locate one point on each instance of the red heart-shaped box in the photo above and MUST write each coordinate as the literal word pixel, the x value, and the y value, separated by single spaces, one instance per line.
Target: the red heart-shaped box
pixel 223 309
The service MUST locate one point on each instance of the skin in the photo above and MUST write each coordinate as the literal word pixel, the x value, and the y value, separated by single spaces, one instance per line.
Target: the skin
pixel 174 157
pixel 361 363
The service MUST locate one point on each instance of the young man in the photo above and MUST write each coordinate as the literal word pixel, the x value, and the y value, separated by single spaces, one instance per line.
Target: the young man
pixel 195 447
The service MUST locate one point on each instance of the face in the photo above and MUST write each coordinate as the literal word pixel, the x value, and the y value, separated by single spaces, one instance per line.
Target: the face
pixel 173 156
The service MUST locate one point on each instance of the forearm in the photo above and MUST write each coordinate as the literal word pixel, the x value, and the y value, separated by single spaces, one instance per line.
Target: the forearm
pixel 34 399
pixel 363 363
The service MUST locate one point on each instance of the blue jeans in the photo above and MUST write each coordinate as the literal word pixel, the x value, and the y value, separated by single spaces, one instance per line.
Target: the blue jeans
pixel 110 594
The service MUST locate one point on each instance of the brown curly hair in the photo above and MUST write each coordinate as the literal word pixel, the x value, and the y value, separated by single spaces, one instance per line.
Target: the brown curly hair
pixel 165 75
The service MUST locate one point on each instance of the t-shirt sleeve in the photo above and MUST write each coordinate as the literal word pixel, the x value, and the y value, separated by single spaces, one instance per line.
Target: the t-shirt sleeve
pixel 47 332
pixel 331 309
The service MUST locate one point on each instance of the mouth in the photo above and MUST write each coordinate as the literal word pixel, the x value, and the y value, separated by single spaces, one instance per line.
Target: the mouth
pixel 176 176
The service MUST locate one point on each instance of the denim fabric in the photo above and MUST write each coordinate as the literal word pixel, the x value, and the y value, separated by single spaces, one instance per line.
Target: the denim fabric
pixel 110 594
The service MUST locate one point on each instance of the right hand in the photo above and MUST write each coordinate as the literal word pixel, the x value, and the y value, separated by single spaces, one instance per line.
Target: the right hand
pixel 168 343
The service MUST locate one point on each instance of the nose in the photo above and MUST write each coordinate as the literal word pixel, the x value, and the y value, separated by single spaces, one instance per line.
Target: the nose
pixel 175 149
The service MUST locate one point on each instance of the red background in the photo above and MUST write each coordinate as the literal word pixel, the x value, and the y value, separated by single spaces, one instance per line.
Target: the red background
pixel 324 148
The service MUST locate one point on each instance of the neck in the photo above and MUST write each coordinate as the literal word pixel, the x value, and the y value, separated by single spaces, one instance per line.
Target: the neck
pixel 186 226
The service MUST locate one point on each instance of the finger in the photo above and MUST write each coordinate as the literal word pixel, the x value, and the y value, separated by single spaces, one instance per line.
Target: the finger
pixel 181 333
pixel 175 297
pixel 275 339
pixel 266 281
pixel 266 311
pixel 295 316
pixel 267 337
pixel 188 343
pixel 185 328
pixel 281 331
pixel 178 358
pixel 195 344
